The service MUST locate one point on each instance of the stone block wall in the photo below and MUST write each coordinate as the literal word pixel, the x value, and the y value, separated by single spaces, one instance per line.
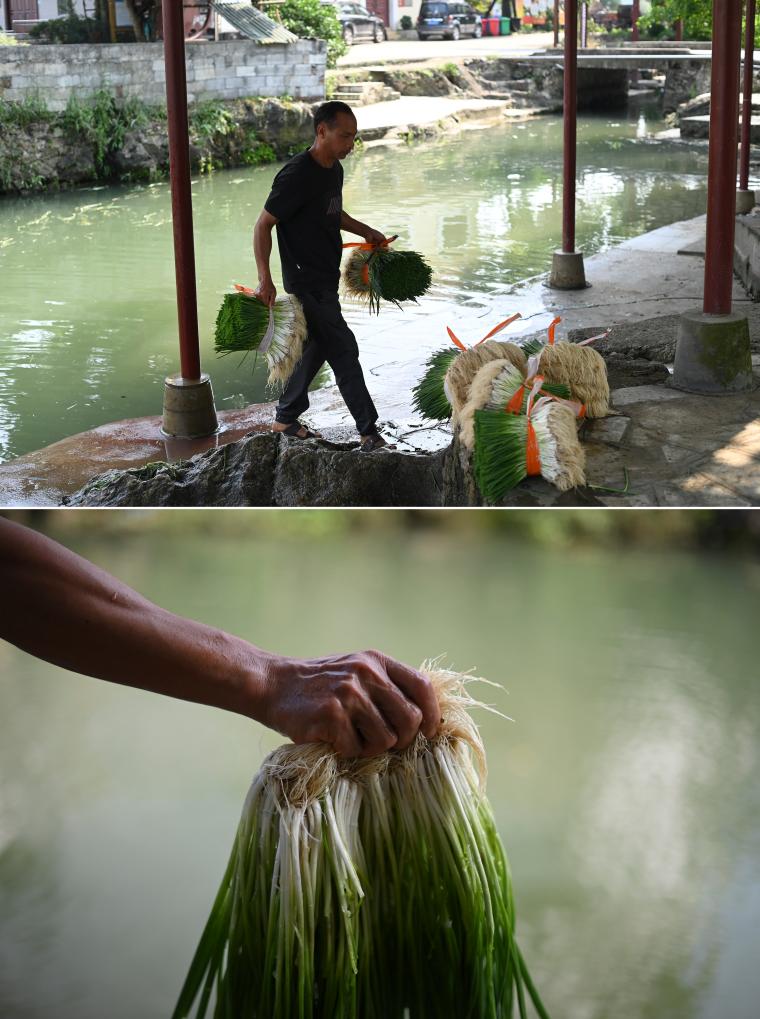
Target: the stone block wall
pixel 233 69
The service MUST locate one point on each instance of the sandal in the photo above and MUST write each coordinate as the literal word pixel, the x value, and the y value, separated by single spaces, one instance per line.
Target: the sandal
pixel 293 432
pixel 371 443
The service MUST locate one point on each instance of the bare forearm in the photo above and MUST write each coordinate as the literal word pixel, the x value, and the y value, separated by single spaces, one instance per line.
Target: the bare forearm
pixel 62 608
pixel 353 226
pixel 262 250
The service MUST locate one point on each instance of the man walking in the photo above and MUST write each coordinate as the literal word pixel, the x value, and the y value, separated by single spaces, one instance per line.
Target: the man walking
pixel 306 206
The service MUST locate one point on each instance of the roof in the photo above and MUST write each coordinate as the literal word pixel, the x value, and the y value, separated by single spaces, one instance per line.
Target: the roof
pixel 252 23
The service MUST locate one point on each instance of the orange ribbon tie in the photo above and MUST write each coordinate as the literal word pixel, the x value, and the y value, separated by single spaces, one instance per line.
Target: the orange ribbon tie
pixel 532 454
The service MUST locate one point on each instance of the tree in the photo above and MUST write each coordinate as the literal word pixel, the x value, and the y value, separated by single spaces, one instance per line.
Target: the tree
pixel 696 16
pixel 310 19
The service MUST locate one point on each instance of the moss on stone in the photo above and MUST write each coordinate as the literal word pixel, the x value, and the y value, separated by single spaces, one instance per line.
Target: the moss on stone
pixel 725 350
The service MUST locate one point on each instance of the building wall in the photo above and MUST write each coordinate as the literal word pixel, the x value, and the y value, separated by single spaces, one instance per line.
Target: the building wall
pixel 398 8
pixel 49 9
pixel 224 70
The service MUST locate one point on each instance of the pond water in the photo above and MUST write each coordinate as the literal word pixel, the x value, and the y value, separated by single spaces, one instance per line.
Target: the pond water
pixel 88 312
pixel 625 789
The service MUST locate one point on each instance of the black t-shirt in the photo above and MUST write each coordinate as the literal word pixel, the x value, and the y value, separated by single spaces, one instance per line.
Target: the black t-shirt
pixel 306 199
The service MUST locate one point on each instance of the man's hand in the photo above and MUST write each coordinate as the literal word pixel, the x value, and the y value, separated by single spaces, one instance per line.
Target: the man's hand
pixel 374 236
pixel 362 704
pixel 266 291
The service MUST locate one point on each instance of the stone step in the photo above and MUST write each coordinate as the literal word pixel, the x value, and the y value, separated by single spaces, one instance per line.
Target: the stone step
pixel 699 127
pixel 355 86
pixel 365 94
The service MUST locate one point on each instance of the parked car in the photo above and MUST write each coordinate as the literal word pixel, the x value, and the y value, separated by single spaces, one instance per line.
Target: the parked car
pixel 359 24
pixel 440 19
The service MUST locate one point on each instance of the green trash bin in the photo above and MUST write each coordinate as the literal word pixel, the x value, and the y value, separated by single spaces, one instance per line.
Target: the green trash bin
pixel 505 26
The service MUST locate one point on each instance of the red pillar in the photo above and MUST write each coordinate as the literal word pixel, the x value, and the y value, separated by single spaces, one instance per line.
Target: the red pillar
pixel 679 30
pixel 721 180
pixel 749 52
pixel 570 110
pixel 179 176
pixel 635 12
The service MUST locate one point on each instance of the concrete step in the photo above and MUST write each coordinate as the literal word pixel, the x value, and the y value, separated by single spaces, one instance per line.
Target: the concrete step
pixel 364 93
pixel 699 127
pixel 521 84
pixel 354 86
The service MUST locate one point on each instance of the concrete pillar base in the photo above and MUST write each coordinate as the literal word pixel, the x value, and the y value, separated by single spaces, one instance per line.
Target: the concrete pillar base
pixel 189 411
pixel 713 354
pixel 745 202
pixel 567 271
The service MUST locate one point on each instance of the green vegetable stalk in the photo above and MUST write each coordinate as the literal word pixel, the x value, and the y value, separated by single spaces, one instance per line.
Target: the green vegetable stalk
pixel 366 889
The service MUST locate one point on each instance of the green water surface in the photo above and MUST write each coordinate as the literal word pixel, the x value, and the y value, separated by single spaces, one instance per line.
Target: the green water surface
pixel 87 301
pixel 625 789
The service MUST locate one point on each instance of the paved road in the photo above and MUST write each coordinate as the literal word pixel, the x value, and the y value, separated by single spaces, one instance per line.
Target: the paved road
pixel 410 50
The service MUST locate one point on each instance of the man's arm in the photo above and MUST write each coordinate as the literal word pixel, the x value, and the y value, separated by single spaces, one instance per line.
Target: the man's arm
pixel 262 251
pixel 353 226
pixel 60 607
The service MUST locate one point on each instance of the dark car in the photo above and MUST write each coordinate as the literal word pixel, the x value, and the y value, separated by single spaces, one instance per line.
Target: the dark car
pixel 448 20
pixel 359 24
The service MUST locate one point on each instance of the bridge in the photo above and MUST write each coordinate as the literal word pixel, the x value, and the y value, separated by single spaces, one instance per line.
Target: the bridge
pixel 625 59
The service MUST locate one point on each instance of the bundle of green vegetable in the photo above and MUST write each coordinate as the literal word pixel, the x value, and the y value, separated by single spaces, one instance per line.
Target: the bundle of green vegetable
pixel 443 380
pixel 500 385
pixel 245 323
pixel 367 889
pixel 429 396
pixel 512 447
pixel 379 273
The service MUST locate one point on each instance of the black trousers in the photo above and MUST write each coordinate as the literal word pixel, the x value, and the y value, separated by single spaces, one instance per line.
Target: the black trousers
pixel 329 339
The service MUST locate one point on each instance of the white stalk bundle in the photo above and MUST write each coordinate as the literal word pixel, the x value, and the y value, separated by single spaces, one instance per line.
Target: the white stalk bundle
pixel 366 889
pixel 502 455
pixel 464 368
pixel 500 386
pixel 286 348
pixel 244 324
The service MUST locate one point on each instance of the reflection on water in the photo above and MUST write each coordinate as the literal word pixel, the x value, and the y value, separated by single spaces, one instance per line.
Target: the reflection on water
pixel 625 790
pixel 88 316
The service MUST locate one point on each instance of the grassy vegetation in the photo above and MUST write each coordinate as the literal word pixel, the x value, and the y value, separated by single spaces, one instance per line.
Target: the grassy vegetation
pixel 104 122
pixel 738 529
pixel 31 110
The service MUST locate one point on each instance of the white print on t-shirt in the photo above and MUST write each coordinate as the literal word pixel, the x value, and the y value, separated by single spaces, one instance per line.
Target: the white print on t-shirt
pixel 335 206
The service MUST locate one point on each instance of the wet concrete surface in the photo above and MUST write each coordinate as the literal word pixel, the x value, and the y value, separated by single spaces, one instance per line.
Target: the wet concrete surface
pixel 677 448
pixel 44 477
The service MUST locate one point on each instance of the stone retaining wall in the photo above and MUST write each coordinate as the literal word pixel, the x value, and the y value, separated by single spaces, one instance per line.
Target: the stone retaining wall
pixel 232 69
